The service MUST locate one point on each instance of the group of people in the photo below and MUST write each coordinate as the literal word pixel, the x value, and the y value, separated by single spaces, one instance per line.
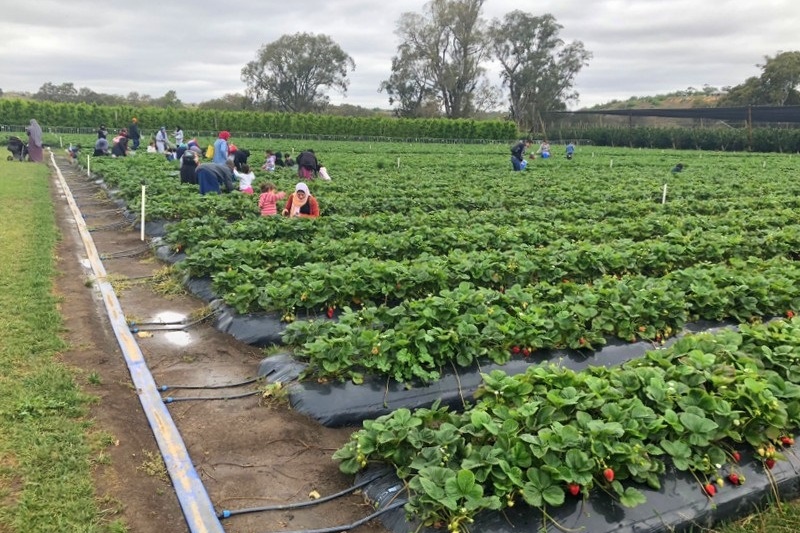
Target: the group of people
pixel 518 161
pixel 118 147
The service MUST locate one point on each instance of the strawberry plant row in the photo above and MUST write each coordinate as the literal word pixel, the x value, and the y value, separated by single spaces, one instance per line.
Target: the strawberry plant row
pixel 412 341
pixel 551 434
pixel 360 280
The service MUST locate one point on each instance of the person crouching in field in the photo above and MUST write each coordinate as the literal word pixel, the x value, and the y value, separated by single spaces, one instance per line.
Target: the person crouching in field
pixel 301 203
pixel 268 200
pixel 518 154
pixel 214 178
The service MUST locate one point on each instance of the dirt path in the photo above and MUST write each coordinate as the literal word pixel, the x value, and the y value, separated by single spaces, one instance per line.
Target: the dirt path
pixel 247 454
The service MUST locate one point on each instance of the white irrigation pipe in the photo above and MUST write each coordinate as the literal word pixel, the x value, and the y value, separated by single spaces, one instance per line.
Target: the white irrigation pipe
pixel 195 503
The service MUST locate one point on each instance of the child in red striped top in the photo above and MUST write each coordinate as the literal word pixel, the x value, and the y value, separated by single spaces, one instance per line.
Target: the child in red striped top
pixel 268 200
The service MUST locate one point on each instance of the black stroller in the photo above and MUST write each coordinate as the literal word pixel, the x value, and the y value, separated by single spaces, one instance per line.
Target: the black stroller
pixel 18 149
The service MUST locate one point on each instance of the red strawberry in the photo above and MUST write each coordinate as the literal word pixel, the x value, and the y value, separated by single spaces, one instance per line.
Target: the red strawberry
pixel 789 313
pixel 734 478
pixel 710 489
pixel 330 312
pixel 736 456
pixel 608 474
pixel 526 352
pixel 515 349
pixel 574 489
pixel 770 463
pixel 787 441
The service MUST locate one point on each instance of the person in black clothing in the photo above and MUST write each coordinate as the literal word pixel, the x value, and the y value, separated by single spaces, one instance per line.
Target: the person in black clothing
pixel 189 162
pixel 279 160
pixel 240 158
pixel 134 134
pixel 102 132
pixel 307 165
pixel 120 148
pixel 518 153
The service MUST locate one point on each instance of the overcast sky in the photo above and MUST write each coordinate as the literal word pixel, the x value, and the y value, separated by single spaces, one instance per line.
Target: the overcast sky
pixel 198 47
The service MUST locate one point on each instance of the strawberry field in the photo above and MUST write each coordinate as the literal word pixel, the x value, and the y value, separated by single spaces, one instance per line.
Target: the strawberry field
pixel 428 257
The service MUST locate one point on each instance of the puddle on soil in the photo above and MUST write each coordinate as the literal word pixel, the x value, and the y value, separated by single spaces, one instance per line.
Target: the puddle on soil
pixel 168 317
pixel 178 338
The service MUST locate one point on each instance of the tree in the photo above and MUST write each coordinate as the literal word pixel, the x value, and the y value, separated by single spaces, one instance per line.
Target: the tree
pixel 777 85
pixel 287 74
pixel 169 100
pixel 781 77
pixel 228 102
pixel 537 67
pixel 66 92
pixel 439 58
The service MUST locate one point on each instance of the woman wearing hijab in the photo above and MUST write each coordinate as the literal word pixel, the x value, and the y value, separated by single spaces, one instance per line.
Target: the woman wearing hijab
pixel 221 148
pixel 301 203
pixel 35 149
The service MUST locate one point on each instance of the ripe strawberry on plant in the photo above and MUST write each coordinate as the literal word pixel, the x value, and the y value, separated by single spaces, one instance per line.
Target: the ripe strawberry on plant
pixel 515 349
pixel 574 489
pixel 736 456
pixel 789 314
pixel 710 489
pixel 526 352
pixel 330 312
pixel 733 477
pixel 608 473
pixel 787 441
pixel 770 463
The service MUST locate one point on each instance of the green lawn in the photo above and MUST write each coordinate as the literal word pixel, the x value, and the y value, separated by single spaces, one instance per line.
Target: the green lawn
pixel 45 453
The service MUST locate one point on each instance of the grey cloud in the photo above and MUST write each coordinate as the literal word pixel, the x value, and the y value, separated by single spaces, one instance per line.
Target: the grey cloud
pixel 199 48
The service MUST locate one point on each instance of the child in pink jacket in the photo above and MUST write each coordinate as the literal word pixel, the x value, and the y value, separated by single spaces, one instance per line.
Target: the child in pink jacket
pixel 268 200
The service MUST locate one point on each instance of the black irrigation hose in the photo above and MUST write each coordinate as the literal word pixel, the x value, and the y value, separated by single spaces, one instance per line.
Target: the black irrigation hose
pixel 102 212
pixel 112 225
pixel 126 253
pixel 308 503
pixel 348 527
pixel 163 388
pixel 170 399
pixel 168 326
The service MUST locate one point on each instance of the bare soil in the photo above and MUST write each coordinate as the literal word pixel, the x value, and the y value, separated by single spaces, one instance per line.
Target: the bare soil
pixel 248 452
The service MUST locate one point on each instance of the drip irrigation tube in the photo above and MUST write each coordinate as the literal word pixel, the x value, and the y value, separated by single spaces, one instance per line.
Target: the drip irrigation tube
pixel 192 496
pixel 168 326
pixel 170 399
pixel 112 225
pixel 348 527
pixel 104 212
pixel 133 252
pixel 195 387
pixel 308 503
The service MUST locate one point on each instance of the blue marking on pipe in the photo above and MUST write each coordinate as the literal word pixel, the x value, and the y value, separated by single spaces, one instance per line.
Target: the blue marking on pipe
pixel 192 496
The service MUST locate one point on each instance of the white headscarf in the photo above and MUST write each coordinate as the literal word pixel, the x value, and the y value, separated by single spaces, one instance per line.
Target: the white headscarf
pixel 302 187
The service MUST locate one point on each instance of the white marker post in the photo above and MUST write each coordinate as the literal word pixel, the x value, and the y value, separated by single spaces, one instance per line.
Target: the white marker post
pixel 398 162
pixel 611 164
pixel 88 166
pixel 664 195
pixel 61 141
pixel 141 233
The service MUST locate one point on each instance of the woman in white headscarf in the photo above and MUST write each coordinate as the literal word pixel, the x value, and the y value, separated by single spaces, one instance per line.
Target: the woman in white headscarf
pixel 301 203
pixel 35 149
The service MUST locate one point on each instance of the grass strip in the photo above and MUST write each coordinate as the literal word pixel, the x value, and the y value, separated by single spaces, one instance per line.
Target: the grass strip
pixel 46 480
